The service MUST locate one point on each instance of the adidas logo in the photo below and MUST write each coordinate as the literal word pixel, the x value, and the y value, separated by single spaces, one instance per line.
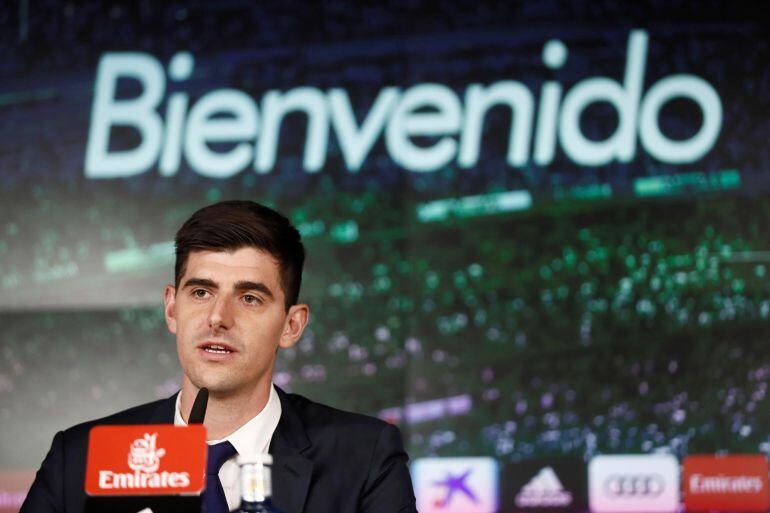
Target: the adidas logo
pixel 544 489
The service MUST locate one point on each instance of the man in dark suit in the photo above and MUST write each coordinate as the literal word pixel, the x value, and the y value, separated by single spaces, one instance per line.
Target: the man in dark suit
pixel 234 303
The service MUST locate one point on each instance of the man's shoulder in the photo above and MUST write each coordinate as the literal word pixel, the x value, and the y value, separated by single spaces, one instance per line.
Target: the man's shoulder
pixel 358 461
pixel 155 412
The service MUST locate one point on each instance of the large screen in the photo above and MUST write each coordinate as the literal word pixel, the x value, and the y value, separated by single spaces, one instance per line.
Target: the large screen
pixel 536 232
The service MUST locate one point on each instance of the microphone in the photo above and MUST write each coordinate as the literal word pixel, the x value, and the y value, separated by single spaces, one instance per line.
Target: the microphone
pixel 198 411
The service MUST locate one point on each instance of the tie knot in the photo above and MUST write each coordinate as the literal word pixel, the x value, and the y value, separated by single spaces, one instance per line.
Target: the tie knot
pixel 218 455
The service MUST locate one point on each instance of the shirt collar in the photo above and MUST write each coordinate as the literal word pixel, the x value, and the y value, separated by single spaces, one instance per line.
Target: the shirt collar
pixel 254 436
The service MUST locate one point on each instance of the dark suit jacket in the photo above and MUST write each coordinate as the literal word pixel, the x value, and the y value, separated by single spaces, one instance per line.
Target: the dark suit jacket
pixel 325 460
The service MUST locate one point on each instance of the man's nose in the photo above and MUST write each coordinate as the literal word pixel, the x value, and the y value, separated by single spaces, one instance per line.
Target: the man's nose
pixel 220 315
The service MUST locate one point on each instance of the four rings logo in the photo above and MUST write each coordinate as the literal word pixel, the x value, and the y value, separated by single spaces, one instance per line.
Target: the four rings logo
pixel 634 485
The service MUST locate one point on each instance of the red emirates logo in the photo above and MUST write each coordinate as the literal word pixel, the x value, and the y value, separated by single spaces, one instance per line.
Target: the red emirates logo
pixel 726 483
pixel 146 460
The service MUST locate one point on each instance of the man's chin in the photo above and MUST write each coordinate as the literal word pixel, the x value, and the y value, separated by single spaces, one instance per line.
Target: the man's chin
pixel 217 388
pixel 216 385
pixel 221 383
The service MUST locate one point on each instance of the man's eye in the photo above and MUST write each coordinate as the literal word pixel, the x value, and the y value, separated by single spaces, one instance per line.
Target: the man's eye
pixel 252 300
pixel 200 293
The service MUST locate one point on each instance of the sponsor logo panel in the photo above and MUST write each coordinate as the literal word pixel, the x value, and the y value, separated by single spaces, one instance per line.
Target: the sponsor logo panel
pixel 545 485
pixel 456 485
pixel 633 484
pixel 737 483
pixel 146 460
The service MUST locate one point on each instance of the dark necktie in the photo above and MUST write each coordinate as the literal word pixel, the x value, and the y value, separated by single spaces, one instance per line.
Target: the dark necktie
pixel 214 500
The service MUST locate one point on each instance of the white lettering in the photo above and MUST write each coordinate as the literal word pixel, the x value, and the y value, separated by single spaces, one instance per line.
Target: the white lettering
pixel 172 151
pixel 125 480
pixel 203 128
pixel 139 113
pixel 109 480
pixel 179 479
pixel 179 69
pixel 275 106
pixel 356 142
pixel 684 86
pixel 105 479
pixel 425 127
pixel 478 101
pixel 621 145
pixel 700 484
pixel 554 56
pixel 410 120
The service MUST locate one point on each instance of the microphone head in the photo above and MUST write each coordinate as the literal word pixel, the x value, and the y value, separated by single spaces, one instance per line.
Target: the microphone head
pixel 198 411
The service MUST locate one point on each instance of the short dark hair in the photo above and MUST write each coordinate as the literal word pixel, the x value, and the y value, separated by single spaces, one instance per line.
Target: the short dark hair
pixel 231 225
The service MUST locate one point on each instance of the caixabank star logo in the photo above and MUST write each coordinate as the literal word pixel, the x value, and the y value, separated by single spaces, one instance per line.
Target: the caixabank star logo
pixel 456 485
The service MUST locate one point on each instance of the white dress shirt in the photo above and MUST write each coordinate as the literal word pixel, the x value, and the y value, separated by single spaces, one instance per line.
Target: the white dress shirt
pixel 252 438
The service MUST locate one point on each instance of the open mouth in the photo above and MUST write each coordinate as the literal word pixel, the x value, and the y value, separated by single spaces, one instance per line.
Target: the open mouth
pixel 216 349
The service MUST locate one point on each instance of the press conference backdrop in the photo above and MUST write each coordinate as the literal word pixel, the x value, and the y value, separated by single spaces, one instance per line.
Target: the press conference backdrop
pixel 534 230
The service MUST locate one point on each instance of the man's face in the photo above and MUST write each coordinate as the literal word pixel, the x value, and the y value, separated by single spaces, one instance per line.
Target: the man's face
pixel 229 319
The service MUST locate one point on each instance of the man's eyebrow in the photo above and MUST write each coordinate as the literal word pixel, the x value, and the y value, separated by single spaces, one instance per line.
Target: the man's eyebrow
pixel 253 285
pixel 200 282
pixel 240 286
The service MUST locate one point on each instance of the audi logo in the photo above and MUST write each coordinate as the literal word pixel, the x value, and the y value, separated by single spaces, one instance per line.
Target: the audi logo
pixel 634 485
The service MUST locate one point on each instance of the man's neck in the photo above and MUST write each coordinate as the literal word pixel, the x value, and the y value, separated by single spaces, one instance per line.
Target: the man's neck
pixel 225 413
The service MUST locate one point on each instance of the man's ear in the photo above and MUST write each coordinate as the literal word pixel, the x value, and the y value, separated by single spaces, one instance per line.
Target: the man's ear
pixel 296 320
pixel 169 299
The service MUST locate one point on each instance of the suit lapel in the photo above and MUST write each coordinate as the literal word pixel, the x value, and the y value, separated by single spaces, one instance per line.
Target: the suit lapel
pixel 291 470
pixel 164 412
